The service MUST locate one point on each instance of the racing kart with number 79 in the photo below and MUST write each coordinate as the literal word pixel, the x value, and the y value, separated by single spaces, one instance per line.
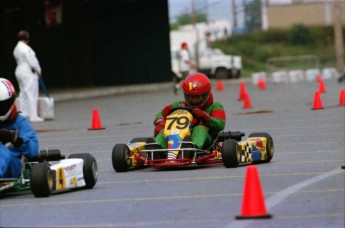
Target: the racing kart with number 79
pixel 226 148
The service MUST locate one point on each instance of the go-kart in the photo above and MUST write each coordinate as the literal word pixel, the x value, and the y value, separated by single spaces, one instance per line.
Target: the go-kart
pixel 51 172
pixel 226 148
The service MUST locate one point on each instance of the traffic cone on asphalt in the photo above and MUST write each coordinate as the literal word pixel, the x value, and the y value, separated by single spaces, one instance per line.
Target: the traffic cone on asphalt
pixel 247 103
pixel 253 203
pixel 322 87
pixel 319 78
pixel 220 86
pixel 96 121
pixel 261 84
pixel 317 101
pixel 242 92
pixel 342 97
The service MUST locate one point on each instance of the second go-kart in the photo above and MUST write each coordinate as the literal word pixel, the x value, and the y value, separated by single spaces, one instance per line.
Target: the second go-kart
pixel 51 172
pixel 226 148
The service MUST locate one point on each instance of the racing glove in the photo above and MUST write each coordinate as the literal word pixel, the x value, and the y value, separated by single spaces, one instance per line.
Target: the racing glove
pixel 160 124
pixel 11 136
pixel 201 115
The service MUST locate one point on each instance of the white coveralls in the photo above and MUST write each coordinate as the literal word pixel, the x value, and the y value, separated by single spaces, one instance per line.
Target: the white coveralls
pixel 27 79
pixel 184 56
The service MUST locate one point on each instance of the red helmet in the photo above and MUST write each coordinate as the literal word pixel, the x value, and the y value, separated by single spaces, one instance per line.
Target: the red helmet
pixel 184 44
pixel 197 90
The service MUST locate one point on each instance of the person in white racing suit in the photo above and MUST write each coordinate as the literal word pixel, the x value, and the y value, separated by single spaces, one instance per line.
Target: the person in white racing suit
pixel 17 136
pixel 27 72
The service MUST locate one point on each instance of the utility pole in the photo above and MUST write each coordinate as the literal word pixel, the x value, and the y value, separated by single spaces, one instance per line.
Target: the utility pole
pixel 264 19
pixel 338 36
pixel 234 14
pixel 196 46
pixel 193 14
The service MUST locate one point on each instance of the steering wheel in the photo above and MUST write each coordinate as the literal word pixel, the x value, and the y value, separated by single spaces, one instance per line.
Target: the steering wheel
pixel 180 107
pixel 185 108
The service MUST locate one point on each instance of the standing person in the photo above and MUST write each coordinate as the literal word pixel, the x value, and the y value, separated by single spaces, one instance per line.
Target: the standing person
pixel 27 72
pixel 185 64
pixel 17 137
pixel 197 96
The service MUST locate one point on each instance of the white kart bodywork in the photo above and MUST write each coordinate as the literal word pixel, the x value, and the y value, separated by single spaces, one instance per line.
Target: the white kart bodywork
pixel 69 174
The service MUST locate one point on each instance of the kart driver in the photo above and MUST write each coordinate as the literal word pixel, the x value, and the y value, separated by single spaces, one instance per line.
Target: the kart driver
pixel 211 115
pixel 17 136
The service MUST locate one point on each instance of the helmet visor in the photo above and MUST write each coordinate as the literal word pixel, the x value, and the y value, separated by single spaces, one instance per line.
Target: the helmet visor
pixel 6 105
pixel 196 100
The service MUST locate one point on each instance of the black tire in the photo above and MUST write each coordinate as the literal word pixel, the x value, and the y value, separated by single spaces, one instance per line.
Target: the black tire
pixel 90 168
pixel 269 145
pixel 41 180
pixel 235 73
pixel 221 73
pixel 231 154
pixel 121 158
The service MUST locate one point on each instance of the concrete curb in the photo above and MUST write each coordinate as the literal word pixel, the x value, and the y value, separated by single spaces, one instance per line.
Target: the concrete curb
pixel 93 92
pixel 84 93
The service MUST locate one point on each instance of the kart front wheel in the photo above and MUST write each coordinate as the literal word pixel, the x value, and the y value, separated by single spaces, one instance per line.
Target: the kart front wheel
pixel 121 158
pixel 41 180
pixel 90 168
pixel 269 144
pixel 231 153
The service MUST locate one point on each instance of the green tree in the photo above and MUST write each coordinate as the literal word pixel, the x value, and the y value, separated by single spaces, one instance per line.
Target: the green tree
pixel 186 19
pixel 300 35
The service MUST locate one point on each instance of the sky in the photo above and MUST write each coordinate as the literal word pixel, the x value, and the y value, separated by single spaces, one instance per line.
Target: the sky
pixel 217 9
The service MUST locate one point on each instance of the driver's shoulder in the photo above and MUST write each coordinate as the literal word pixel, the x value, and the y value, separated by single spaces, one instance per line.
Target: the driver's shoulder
pixel 215 105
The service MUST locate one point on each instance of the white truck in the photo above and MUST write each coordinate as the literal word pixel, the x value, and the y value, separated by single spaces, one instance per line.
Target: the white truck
pixel 212 62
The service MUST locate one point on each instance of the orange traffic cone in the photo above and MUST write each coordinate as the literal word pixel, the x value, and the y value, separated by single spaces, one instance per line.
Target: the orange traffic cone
pixel 253 203
pixel 319 78
pixel 96 121
pixel 220 86
pixel 242 92
pixel 317 101
pixel 342 97
pixel 247 103
pixel 261 84
pixel 322 87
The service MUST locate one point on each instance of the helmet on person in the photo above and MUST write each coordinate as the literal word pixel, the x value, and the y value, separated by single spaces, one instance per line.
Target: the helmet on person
pixel 197 90
pixel 184 45
pixel 7 98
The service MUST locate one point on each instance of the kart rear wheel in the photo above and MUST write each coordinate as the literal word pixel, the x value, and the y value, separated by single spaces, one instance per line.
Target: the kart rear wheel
pixel 231 153
pixel 269 144
pixel 121 158
pixel 90 168
pixel 41 180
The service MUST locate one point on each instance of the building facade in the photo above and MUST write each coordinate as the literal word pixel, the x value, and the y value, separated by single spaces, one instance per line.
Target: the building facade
pixel 310 13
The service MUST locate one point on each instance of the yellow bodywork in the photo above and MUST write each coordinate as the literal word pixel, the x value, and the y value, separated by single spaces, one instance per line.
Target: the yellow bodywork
pixel 253 149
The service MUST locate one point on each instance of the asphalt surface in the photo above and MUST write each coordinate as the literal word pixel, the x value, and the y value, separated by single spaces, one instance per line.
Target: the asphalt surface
pixel 303 185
